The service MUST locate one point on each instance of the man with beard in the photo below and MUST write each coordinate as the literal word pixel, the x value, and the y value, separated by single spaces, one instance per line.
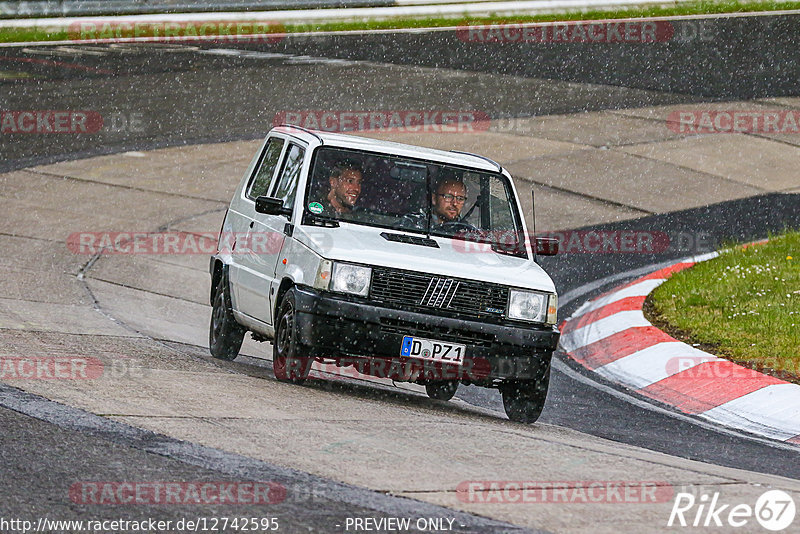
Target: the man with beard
pixel 447 201
pixel 345 188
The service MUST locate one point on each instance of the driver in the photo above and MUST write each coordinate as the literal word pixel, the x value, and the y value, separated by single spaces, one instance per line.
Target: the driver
pixel 447 202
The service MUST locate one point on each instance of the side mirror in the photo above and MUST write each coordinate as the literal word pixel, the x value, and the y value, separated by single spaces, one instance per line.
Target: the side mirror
pixel 271 206
pixel 546 246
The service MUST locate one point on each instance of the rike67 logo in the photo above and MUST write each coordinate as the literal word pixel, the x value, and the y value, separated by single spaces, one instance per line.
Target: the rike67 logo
pixel 774 510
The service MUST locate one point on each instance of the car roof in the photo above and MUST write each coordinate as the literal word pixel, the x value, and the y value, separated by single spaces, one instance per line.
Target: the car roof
pixel 391 148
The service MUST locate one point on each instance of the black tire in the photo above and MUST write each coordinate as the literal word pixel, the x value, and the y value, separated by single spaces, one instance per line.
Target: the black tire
pixel 290 361
pixel 441 389
pixel 225 335
pixel 523 400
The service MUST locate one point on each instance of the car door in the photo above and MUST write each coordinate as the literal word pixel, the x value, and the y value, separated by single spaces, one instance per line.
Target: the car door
pixel 242 217
pixel 266 236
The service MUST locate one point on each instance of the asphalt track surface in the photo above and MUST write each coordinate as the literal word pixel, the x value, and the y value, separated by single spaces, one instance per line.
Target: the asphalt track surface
pixel 201 97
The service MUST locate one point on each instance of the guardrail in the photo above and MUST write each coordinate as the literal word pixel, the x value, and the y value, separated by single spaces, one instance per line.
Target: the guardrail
pixel 76 8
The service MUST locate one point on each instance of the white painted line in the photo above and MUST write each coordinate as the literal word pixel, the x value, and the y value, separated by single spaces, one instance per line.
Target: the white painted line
pixel 607 326
pixel 773 411
pixel 342 13
pixel 639 289
pixel 702 257
pixel 339 13
pixel 153 41
pixel 655 363
pixel 243 53
pixel 49 23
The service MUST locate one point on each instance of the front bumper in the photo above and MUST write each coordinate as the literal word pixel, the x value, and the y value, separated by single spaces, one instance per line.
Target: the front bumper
pixel 338 326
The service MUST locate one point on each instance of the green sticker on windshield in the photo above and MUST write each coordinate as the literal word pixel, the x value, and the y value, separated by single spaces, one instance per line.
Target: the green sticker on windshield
pixel 315 207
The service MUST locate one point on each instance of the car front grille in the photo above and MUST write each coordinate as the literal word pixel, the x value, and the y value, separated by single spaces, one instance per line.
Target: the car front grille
pixel 398 287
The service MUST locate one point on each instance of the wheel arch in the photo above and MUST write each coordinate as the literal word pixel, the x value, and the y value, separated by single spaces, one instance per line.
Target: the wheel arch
pixel 286 284
pixel 217 274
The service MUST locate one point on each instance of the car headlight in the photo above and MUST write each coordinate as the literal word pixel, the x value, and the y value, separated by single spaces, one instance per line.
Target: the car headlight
pixel 527 306
pixel 349 278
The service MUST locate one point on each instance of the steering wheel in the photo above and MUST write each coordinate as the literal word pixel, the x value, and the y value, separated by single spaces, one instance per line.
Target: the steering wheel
pixel 458 226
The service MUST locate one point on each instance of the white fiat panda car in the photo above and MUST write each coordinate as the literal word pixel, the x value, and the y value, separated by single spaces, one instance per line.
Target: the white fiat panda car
pixel 408 263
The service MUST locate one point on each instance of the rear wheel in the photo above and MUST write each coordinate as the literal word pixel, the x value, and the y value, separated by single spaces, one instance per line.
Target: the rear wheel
pixel 225 335
pixel 523 400
pixel 441 389
pixel 290 361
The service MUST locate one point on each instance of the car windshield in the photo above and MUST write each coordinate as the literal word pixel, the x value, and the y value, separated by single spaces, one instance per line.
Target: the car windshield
pixel 413 195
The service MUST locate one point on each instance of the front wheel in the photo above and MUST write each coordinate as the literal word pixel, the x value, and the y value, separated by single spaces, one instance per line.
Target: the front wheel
pixel 441 390
pixel 288 361
pixel 523 400
pixel 225 335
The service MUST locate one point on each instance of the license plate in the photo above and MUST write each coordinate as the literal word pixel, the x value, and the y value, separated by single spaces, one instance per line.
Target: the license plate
pixel 430 349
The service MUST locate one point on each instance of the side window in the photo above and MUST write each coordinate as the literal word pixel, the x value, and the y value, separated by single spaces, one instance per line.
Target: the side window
pixel 259 184
pixel 500 207
pixel 286 187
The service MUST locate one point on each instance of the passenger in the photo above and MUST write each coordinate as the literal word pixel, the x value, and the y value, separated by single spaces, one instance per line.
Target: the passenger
pixel 345 189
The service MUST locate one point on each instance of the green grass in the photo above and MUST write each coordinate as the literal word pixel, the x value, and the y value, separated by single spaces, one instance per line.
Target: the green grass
pixel 20 35
pixel 8 35
pixel 744 305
